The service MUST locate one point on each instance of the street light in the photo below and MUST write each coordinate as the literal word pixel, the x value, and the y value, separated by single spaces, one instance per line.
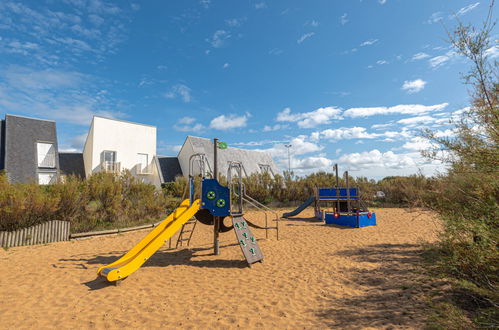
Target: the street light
pixel 289 158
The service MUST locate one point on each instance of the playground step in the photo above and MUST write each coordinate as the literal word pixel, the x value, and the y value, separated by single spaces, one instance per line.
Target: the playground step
pixel 186 232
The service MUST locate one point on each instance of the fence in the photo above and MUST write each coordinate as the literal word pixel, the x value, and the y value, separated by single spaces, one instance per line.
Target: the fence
pixel 51 231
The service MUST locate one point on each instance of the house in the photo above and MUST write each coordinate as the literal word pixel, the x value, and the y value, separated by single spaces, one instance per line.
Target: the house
pixel 71 163
pixel 169 168
pixel 28 150
pixel 114 145
pixel 252 161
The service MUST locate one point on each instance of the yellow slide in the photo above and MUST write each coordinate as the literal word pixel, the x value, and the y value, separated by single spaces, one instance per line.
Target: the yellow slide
pixel 139 254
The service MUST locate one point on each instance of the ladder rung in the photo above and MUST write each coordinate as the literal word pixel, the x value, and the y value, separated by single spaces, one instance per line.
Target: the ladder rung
pixel 191 221
pixel 183 239
pixel 186 231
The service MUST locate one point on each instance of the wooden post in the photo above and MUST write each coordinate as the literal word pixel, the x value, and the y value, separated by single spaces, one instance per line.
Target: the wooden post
pixel 216 220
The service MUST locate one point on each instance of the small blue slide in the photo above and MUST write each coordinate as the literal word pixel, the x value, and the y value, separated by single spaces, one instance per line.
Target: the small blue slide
pixel 299 208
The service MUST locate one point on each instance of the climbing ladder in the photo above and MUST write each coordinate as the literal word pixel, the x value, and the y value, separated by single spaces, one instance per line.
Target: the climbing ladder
pixel 186 232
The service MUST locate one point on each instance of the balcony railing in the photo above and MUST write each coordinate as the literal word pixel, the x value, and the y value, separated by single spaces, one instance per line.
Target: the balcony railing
pixel 143 170
pixel 111 167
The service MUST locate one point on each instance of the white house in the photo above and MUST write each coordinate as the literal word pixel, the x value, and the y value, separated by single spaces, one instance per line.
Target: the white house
pixel 253 161
pixel 115 145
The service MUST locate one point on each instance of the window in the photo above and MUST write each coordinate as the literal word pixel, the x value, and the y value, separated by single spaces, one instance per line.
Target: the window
pixel 109 156
pixel 109 163
pixel 46 178
pixel 142 162
pixel 265 168
pixel 46 154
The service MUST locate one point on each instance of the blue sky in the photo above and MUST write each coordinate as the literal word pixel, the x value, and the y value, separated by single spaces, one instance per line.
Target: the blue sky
pixel 341 81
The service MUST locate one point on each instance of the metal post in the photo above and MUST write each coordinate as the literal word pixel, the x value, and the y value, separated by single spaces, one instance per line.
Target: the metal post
pixel 348 193
pixel 216 220
pixel 337 189
pixel 288 146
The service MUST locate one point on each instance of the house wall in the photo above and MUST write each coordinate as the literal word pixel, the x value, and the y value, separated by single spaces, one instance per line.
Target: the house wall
pixel 87 150
pixel 251 159
pixel 183 156
pixel 21 136
pixel 2 144
pixel 127 139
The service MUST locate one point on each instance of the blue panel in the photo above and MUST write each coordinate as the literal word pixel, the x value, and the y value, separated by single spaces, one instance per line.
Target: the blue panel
pixel 216 198
pixel 327 193
pixel 363 220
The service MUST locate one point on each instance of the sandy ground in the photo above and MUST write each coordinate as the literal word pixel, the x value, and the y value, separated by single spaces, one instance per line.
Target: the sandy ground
pixel 315 276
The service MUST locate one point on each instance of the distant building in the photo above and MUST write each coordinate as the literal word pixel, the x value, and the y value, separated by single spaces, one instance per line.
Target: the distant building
pixel 115 145
pixel 253 161
pixel 380 194
pixel 29 153
pixel 71 163
pixel 28 149
pixel 169 168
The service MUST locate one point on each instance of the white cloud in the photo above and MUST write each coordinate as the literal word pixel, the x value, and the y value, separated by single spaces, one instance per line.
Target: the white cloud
pixel 413 121
pixel 235 22
pixel 304 37
pixel 466 9
pixel 186 120
pixel 438 61
pixel 276 127
pixel 275 51
pixel 181 91
pixel 188 124
pixel 347 133
pixel 219 38
pixel 299 146
pixel 228 122
pixel 205 3
pixel 369 42
pixel 492 52
pixel 312 23
pixel 408 109
pixel 54 94
pixel 260 5
pixel 226 65
pixel 417 144
pixel 382 1
pixel 382 62
pixel 321 116
pixel 344 19
pixel 435 17
pixel 413 86
pixel 311 163
pixel 419 56
pixel 376 158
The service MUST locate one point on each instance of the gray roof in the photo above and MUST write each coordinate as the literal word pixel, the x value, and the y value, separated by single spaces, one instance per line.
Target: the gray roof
pixel 169 168
pixel 72 164
pixel 252 160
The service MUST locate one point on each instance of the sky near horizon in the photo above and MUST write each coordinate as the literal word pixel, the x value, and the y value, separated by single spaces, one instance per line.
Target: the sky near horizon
pixel 348 82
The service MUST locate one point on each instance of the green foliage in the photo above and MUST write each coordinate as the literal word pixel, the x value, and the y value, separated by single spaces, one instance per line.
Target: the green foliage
pixel 102 201
pixel 467 197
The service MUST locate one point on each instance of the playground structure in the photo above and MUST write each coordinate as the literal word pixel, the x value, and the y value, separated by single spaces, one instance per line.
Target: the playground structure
pixel 338 205
pixel 210 203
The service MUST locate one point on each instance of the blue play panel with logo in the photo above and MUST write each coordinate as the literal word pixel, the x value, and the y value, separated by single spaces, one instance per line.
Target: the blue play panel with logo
pixel 362 219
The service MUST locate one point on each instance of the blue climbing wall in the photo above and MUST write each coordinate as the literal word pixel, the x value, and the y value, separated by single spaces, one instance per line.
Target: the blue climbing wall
pixel 216 198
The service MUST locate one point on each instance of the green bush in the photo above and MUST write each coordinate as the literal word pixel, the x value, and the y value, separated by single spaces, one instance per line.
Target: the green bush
pixel 102 201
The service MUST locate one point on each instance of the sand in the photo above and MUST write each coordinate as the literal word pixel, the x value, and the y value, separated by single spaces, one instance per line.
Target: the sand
pixel 315 276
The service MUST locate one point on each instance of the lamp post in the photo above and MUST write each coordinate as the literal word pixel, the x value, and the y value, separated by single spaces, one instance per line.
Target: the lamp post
pixel 288 146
